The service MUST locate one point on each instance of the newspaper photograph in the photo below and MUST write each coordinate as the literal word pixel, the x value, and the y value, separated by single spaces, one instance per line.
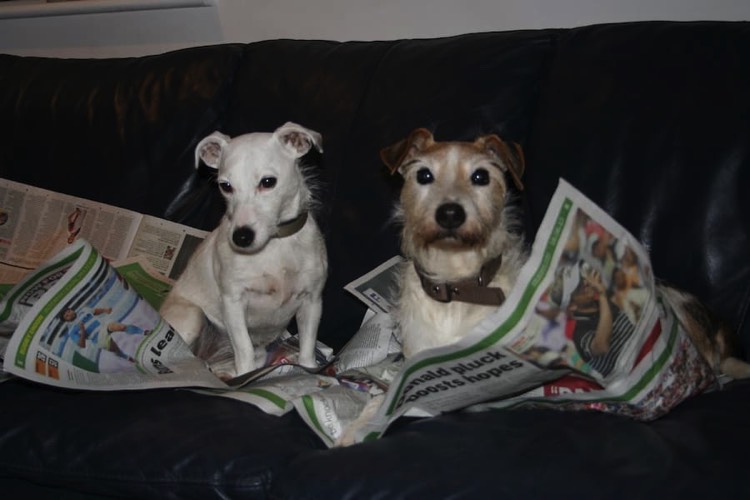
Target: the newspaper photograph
pixel 76 323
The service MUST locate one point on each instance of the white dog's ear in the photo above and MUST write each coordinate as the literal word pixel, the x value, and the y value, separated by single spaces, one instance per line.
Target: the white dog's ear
pixel 297 139
pixel 210 148
pixel 397 154
pixel 510 156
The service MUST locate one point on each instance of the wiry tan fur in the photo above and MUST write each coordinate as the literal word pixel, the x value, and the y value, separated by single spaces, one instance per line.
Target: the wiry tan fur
pixel 446 255
pixel 424 322
pixel 714 339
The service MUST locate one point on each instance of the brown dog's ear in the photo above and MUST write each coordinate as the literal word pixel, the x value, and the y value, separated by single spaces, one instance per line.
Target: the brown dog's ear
pixel 395 155
pixel 511 157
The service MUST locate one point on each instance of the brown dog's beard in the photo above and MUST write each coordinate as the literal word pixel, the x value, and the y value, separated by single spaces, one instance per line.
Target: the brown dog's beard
pixel 473 235
pixel 455 240
pixel 423 238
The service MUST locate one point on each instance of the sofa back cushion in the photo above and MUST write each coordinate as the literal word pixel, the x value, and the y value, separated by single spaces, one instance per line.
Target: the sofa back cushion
pixel 650 120
pixel 365 96
pixel 120 131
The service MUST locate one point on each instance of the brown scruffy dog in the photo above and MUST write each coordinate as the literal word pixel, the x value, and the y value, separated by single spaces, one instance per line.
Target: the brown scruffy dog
pixel 463 258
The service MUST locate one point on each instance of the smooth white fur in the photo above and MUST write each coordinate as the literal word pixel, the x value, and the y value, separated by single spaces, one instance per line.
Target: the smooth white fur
pixel 252 293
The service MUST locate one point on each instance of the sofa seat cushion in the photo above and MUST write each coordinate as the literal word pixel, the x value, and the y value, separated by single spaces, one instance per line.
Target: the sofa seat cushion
pixel 698 450
pixel 144 444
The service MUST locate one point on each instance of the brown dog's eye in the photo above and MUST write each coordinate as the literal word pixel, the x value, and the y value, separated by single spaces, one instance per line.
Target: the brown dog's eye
pixel 424 176
pixel 480 177
pixel 225 187
pixel 267 182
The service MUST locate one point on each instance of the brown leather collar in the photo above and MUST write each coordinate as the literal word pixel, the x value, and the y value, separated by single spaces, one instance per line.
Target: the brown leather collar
pixel 472 290
pixel 289 227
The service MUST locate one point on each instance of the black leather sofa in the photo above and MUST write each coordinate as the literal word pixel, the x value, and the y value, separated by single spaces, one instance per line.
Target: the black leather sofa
pixel 650 120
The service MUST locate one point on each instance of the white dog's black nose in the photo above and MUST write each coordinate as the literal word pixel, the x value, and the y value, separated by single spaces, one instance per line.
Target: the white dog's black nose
pixel 243 236
pixel 450 215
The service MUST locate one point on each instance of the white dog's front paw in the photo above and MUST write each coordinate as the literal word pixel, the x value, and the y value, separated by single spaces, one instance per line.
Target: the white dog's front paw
pixel 308 361
pixel 241 369
pixel 245 359
pixel 225 376
pixel 223 369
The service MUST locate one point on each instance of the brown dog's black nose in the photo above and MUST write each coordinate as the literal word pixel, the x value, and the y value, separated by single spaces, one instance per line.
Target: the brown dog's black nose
pixel 243 236
pixel 450 215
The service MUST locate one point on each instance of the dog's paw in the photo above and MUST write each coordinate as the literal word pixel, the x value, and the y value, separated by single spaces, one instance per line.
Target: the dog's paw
pixel 310 366
pixel 350 435
pixel 347 438
pixel 224 369
pixel 308 361
pixel 224 376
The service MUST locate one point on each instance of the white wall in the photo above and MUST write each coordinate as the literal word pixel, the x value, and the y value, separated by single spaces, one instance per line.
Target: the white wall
pixel 154 31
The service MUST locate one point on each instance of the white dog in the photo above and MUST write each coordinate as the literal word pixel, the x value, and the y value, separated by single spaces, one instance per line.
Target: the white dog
pixel 266 261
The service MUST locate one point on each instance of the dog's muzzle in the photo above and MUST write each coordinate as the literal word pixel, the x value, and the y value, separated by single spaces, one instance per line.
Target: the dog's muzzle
pixel 450 215
pixel 244 236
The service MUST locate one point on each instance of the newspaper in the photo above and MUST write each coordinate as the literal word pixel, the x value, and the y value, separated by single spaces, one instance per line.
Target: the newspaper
pixel 80 322
pixel 544 347
pixel 378 288
pixel 35 224
pixel 76 323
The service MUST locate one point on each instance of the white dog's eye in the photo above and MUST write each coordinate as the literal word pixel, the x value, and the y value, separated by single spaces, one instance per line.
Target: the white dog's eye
pixel 267 182
pixel 225 187
pixel 424 176
pixel 480 177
